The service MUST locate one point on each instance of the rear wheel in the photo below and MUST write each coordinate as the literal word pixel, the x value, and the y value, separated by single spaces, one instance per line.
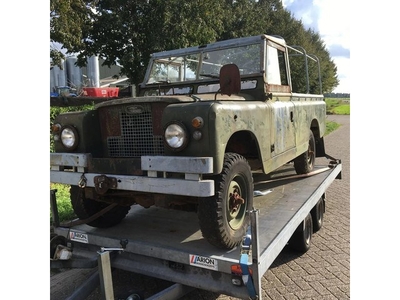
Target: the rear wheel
pixel 86 207
pixel 301 238
pixel 223 218
pixel 317 214
pixel 304 163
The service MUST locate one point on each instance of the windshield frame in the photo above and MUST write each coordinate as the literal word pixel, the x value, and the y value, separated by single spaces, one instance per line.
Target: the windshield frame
pixel 174 59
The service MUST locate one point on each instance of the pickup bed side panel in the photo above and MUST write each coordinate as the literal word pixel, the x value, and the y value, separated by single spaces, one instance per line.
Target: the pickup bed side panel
pixel 308 110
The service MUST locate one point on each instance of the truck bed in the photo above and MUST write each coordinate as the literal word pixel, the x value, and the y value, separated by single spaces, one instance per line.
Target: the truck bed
pixel 163 243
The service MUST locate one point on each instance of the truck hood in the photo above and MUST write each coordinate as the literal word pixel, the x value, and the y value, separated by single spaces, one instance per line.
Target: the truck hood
pixel 171 99
pixel 146 99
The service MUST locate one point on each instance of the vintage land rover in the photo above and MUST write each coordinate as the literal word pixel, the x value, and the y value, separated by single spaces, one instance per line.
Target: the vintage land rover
pixel 205 119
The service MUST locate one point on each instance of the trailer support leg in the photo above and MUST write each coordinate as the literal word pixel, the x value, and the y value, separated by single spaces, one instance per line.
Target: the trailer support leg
pixel 106 283
pixel 250 246
pixel 53 206
pixel 255 251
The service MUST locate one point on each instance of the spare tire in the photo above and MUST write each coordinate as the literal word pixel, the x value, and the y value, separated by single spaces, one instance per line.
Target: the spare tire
pixel 86 207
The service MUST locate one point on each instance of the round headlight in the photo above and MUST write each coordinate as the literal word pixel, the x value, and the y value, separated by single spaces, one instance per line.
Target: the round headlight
pixel 176 136
pixel 69 137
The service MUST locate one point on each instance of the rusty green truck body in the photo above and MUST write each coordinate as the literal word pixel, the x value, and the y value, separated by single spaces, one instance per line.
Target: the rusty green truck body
pixel 205 118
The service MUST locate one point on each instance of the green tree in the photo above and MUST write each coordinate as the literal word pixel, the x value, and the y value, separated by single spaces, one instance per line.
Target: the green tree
pixel 295 34
pixel 244 18
pixel 128 31
pixel 70 22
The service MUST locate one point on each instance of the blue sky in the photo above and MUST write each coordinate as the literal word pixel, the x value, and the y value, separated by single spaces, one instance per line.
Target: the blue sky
pixel 331 19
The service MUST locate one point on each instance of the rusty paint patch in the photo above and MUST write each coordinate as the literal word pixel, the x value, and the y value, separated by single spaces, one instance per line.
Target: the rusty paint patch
pixel 157 112
pixel 110 121
pixel 277 88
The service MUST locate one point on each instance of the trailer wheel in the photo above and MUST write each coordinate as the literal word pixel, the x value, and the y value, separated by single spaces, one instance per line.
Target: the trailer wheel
pixel 304 163
pixel 56 240
pixel 135 296
pixel 223 218
pixel 301 238
pixel 86 207
pixel 317 214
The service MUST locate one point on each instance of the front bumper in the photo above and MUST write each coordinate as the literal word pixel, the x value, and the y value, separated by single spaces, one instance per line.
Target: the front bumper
pixel 70 168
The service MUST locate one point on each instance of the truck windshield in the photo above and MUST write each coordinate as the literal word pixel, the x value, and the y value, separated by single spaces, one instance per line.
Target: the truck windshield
pixel 205 64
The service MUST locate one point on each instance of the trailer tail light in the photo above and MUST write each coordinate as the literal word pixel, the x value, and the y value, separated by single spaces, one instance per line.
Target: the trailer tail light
pixel 237 274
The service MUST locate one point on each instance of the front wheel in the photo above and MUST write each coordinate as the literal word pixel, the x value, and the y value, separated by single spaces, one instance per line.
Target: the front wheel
pixel 223 218
pixel 86 207
pixel 304 163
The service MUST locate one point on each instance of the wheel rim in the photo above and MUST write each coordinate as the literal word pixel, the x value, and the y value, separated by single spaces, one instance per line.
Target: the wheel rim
pixel 320 212
pixel 236 204
pixel 307 231
pixel 311 152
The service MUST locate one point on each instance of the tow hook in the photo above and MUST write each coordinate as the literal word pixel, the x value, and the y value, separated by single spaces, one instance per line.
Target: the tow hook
pixel 102 183
pixel 82 182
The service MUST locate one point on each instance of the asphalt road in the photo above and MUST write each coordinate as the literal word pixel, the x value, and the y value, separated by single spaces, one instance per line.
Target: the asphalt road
pixel 321 273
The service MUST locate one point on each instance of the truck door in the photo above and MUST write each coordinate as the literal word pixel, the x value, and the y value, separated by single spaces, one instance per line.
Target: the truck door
pixel 282 126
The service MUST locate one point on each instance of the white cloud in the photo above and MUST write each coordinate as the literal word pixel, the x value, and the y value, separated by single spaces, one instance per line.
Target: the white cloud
pixel 331 19
pixel 334 22
pixel 343 66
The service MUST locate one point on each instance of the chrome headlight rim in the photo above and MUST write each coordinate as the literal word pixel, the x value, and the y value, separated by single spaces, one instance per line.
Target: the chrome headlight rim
pixel 176 136
pixel 69 137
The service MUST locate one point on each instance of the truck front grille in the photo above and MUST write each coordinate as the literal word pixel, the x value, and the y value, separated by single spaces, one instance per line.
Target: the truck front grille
pixel 136 135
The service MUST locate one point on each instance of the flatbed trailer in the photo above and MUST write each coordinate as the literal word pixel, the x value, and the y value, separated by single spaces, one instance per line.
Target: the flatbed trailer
pixel 168 244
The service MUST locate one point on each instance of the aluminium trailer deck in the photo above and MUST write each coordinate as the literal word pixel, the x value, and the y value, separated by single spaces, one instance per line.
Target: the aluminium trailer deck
pixel 168 244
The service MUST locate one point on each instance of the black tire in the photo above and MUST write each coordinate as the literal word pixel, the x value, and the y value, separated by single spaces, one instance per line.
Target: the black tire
pixel 222 223
pixel 317 214
pixel 301 238
pixel 56 240
pixel 135 296
pixel 86 207
pixel 304 163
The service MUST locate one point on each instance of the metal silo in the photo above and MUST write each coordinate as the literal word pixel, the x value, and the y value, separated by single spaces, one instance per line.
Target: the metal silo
pixel 93 71
pixel 74 73
pixel 57 76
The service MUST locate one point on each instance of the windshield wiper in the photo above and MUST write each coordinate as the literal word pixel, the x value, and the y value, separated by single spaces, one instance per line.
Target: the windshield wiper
pixel 161 81
pixel 210 75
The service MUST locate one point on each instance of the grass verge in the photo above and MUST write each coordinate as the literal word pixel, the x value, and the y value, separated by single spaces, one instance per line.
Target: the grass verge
pixel 337 106
pixel 64 206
